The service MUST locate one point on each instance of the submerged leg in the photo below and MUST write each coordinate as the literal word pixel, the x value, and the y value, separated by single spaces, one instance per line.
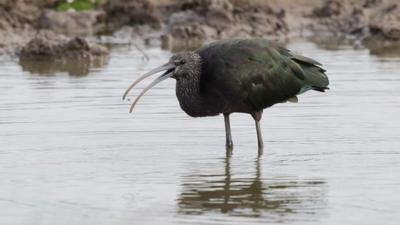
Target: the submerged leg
pixel 257 117
pixel 229 143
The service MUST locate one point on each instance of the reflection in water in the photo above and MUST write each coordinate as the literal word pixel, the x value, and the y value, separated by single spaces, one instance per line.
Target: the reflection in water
pixel 250 196
pixel 79 67
pixel 333 43
pixel 382 48
pixel 71 154
pixel 178 46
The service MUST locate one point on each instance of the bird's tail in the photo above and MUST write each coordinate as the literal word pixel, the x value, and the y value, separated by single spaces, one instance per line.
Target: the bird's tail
pixel 315 77
pixel 320 89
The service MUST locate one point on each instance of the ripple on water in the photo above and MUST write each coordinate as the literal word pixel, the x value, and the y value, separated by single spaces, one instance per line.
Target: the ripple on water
pixel 70 153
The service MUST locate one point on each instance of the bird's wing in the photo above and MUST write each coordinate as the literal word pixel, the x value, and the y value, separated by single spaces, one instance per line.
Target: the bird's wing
pixel 258 71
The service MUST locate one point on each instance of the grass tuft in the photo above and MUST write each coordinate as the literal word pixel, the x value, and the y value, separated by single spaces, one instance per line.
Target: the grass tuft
pixel 79 5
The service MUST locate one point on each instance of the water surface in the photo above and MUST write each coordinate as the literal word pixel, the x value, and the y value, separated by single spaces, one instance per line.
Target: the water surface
pixel 70 153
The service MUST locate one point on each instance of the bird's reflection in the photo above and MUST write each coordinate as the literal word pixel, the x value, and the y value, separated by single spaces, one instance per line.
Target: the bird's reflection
pixel 240 195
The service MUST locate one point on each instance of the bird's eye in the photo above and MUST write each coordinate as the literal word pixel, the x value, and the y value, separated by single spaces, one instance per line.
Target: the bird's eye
pixel 179 62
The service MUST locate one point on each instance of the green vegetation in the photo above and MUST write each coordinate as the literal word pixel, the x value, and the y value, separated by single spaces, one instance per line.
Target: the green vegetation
pixel 79 5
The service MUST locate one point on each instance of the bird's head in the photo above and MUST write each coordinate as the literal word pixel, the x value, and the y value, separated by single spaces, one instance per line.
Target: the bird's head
pixel 180 66
pixel 185 64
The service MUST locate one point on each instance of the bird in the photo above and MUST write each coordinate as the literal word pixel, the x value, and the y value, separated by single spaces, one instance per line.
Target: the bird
pixel 237 76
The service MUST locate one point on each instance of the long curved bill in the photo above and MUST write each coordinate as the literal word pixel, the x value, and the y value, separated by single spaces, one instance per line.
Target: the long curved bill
pixel 164 67
pixel 168 73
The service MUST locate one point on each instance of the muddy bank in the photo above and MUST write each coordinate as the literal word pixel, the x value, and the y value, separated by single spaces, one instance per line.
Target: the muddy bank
pixel 128 12
pixel 16 23
pixel 192 21
pixel 51 46
pixel 188 22
pixel 364 19
pixel 22 20
pixel 49 52
pixel 86 23
pixel 220 19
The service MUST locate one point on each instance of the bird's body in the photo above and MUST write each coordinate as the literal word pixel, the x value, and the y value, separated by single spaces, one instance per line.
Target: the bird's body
pixel 246 76
pixel 243 75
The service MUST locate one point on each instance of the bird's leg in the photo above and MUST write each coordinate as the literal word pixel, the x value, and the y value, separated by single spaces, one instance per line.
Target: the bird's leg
pixel 229 143
pixel 257 117
pixel 259 138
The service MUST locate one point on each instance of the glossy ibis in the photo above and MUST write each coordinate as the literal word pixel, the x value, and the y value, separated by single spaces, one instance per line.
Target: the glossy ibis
pixel 240 75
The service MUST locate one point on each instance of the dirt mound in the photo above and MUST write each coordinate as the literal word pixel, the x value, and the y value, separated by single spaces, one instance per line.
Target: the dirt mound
pixel 132 12
pixel 18 13
pixel 361 18
pixel 49 46
pixel 386 23
pixel 21 14
pixel 216 19
pixel 72 23
pixel 17 18
pixel 343 16
pixel 185 22
pixel 20 20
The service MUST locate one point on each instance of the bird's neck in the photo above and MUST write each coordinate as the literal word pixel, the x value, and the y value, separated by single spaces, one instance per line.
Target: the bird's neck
pixel 189 95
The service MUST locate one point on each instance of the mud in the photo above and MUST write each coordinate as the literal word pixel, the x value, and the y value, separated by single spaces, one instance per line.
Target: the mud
pixel 364 19
pixel 49 52
pixel 198 20
pixel 132 12
pixel 386 23
pixel 86 23
pixel 51 46
pixel 16 23
pixel 191 22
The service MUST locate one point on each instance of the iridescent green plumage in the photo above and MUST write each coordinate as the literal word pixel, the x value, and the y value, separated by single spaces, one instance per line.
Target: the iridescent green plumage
pixel 261 72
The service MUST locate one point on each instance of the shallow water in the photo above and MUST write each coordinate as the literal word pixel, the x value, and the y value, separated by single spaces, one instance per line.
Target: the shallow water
pixel 71 154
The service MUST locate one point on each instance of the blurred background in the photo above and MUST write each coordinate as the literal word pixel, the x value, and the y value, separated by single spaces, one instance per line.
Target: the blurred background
pixel 176 25
pixel 70 153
